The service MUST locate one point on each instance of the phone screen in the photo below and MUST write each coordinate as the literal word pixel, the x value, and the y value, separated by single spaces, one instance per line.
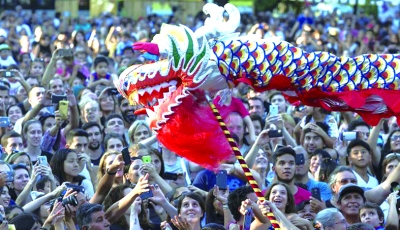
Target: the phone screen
pixel 300 159
pixel 316 193
pixel 126 156
pixel 222 179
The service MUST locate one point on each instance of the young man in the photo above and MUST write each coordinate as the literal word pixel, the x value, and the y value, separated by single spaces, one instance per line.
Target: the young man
pixel 358 153
pixel 11 141
pixel 95 147
pixel 285 167
pixel 301 176
pixel 350 199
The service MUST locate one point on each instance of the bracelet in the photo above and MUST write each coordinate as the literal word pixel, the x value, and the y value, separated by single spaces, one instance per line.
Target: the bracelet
pixel 110 173
pixel 225 206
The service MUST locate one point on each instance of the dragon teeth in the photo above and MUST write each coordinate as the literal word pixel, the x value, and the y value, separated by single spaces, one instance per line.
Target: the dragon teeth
pixel 173 82
pixel 157 88
pixel 141 92
pixel 172 88
pixel 149 90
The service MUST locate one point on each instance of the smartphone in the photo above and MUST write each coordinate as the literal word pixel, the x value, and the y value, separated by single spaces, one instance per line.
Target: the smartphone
pixel 42 160
pixel 222 179
pixel 146 195
pixel 10 176
pixel 300 159
pixel 63 109
pixel 248 218
pixel 75 187
pixel 275 133
pixel 146 159
pixel 113 91
pixel 8 74
pixel 4 121
pixel 170 176
pixel 273 110
pixel 316 193
pixel 348 136
pixel 126 156
pixel 55 99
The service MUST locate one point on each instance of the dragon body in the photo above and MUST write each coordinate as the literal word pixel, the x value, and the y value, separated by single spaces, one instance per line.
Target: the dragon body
pixel 172 90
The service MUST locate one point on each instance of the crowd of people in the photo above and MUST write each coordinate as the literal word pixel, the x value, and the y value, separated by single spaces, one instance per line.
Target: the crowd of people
pixel 64 129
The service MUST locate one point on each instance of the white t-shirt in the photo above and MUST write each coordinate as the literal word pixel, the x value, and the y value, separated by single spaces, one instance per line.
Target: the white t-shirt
pixel 372 182
pixel 9 61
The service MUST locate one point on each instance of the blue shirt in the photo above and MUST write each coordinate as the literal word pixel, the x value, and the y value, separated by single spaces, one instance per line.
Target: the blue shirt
pixel 206 180
pixel 326 192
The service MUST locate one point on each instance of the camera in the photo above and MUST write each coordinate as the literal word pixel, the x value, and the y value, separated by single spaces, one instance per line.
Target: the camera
pixel 71 200
pixel 348 136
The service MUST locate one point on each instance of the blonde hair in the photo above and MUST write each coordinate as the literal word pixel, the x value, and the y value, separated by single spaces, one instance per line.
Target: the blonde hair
pixel 288 119
pixel 134 127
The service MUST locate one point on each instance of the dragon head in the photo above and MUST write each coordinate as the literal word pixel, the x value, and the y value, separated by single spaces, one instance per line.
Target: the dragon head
pixel 161 86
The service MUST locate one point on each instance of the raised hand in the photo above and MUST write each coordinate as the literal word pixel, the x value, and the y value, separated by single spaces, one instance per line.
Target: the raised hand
pixel 117 164
pixel 158 195
pixel 142 186
pixel 221 195
pixel 181 223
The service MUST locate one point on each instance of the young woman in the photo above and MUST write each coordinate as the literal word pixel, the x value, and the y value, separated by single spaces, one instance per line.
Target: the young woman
pixel 138 131
pixel 14 112
pixel 281 203
pixel 65 166
pixel 191 211
pixel 20 158
pixel 106 160
pixel 316 159
pixel 5 197
pixel 155 169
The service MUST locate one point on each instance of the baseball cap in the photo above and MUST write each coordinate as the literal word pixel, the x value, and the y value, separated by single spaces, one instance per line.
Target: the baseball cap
pixel 4 47
pixel 350 188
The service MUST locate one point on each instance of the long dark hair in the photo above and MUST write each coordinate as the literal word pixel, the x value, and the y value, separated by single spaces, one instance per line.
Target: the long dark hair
pixel 193 196
pixel 290 205
pixel 117 193
pixel 211 215
pixel 387 148
pixel 57 166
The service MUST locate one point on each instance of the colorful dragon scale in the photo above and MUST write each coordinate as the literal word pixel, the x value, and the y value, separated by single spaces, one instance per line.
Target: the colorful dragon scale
pixel 172 89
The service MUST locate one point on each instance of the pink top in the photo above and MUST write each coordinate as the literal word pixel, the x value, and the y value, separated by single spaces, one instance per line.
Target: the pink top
pixel 235 106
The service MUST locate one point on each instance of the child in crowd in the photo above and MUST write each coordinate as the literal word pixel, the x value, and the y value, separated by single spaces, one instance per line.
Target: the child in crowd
pixel 100 74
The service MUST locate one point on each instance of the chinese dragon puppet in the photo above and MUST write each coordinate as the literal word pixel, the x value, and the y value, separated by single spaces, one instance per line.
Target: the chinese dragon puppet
pixel 191 64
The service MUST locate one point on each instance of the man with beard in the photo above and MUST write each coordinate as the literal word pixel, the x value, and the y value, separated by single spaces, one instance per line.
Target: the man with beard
pixel 301 176
pixel 127 111
pixel 95 149
pixel 284 167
